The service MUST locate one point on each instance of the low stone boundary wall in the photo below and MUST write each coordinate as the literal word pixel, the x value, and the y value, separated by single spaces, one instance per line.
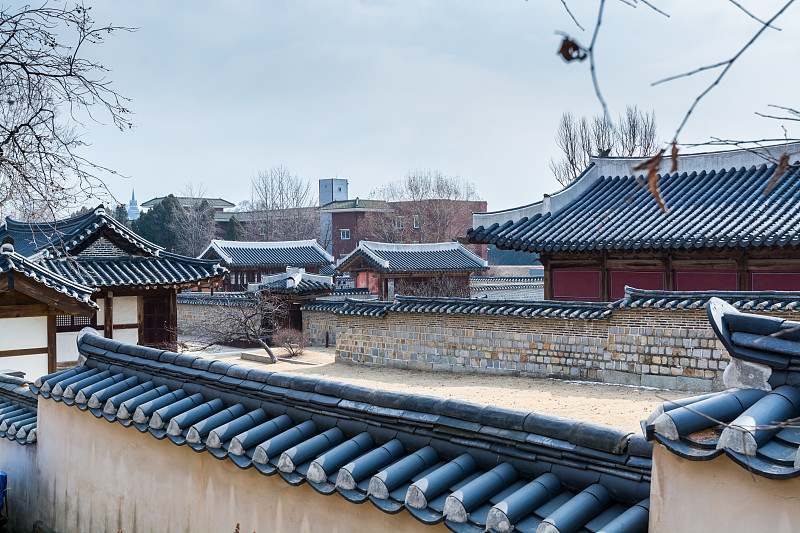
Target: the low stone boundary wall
pixel 622 350
pixel 319 327
pixel 648 338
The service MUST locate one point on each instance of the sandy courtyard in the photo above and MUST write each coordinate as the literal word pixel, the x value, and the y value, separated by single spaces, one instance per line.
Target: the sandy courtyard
pixel 620 407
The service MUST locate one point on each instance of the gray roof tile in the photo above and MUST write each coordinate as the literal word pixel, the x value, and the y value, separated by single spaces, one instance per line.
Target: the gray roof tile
pixel 708 209
pixel 433 257
pixel 399 451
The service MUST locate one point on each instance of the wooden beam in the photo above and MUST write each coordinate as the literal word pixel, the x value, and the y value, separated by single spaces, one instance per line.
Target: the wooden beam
pixel 108 316
pixel 18 311
pixel 23 351
pixel 46 295
pixel 52 356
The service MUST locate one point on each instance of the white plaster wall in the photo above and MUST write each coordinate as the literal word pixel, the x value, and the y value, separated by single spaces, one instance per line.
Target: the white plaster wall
pixel 20 333
pixel 125 310
pixel 718 495
pixel 67 346
pixel 101 313
pixel 130 336
pixel 98 477
pixel 33 365
pixel 19 463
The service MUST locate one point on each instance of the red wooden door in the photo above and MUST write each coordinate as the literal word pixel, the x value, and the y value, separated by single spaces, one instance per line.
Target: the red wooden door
pixel 155 311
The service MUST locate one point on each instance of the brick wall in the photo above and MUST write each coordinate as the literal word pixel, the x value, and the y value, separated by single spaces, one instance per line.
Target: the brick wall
pixel 663 349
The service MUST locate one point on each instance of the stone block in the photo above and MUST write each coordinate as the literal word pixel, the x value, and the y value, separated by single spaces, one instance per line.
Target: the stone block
pixel 690 384
pixel 659 382
pixel 622 378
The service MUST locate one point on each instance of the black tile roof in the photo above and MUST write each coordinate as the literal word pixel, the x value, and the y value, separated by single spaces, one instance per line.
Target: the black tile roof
pixel 130 271
pixel 357 205
pixel 12 261
pixel 284 253
pixel 227 299
pixel 432 257
pixel 766 301
pixel 467 306
pixel 708 209
pixel 755 427
pixel 17 410
pixel 56 246
pixel 470 466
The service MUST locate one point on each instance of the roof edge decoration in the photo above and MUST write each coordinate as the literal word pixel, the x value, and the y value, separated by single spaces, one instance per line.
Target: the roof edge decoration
pixel 75 231
pixel 18 411
pixel 765 301
pixel 752 422
pixel 441 460
pixel 12 261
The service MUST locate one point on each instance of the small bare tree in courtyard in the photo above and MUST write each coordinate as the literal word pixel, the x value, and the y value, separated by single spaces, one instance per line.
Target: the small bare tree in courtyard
pixel 250 319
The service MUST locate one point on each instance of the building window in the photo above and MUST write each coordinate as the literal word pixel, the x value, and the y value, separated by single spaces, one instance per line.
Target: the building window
pixel 399 222
pixel 344 234
pixel 74 323
pixel 416 221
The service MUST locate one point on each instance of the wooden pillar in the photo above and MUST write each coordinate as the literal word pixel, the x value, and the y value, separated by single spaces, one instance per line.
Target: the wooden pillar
pixel 173 319
pixel 108 316
pixel 744 272
pixel 605 280
pixel 52 356
pixel 548 278
pixel 669 274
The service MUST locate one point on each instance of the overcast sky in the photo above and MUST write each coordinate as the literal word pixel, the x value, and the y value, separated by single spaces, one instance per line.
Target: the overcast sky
pixel 368 90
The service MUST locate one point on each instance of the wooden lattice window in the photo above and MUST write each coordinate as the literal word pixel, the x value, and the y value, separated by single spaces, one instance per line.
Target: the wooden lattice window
pixel 74 323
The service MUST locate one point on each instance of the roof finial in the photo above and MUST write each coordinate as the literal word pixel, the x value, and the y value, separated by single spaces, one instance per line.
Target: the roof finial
pixel 7 247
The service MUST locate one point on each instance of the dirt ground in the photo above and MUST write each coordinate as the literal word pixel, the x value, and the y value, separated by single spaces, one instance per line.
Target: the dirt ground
pixel 616 406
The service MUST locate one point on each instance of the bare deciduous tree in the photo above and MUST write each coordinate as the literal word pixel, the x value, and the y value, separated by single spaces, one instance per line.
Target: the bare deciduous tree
pixel 194 226
pixel 48 89
pixel 285 206
pixel 249 319
pixel 580 139
pixel 443 287
pixel 427 206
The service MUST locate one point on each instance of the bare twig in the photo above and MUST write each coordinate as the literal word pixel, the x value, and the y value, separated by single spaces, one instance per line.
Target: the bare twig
pixel 566 7
pixel 740 6
pixel 726 64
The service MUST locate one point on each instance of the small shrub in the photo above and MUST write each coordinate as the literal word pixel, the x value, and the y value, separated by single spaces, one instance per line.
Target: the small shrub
pixel 293 340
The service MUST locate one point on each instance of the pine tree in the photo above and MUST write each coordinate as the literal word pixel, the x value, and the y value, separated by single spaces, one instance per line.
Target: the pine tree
pixel 235 230
pixel 157 225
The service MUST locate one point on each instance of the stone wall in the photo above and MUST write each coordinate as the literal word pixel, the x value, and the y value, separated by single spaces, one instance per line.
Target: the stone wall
pixel 655 348
pixel 316 325
pixel 191 317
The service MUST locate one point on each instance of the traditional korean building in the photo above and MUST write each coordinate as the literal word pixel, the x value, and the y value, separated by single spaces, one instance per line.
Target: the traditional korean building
pixel 387 268
pixel 249 261
pixel 605 230
pixel 132 283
